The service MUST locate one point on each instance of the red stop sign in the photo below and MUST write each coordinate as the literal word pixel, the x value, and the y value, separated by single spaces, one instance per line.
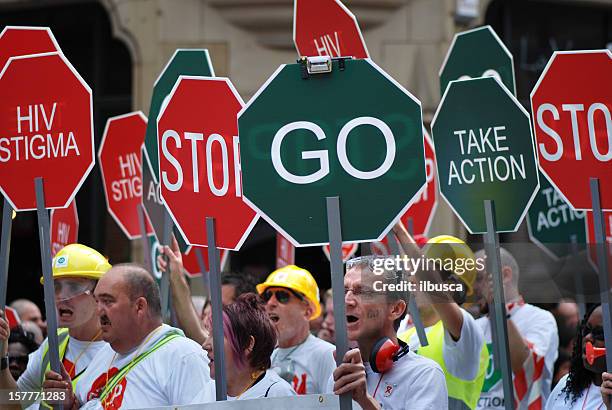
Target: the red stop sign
pixel 47 130
pixel 199 161
pixel 121 169
pixel 64 227
pixel 21 41
pixel 326 28
pixel 571 106
pixel 348 250
pixel 285 251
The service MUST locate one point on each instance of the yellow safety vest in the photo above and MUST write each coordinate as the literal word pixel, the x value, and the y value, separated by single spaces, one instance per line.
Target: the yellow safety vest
pixel 465 391
pixel 62 338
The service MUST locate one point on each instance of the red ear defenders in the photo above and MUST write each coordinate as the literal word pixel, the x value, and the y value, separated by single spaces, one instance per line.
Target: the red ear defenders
pixel 385 352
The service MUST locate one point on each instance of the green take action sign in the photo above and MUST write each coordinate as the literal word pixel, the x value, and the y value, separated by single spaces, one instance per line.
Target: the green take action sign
pixel 552 222
pixel 484 150
pixel 354 133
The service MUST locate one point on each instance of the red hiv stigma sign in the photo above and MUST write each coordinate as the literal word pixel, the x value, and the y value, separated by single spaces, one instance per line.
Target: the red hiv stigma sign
pixel 47 130
pixel 121 169
pixel 64 227
pixel 348 250
pixel 326 28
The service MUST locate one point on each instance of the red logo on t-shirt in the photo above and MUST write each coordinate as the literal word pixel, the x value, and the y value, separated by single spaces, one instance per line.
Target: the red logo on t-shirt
pixel 299 385
pixel 113 399
pixel 69 366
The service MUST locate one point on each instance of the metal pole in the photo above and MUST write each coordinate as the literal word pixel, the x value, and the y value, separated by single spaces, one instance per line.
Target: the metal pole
pixel 165 279
pixel 334 230
pixel 578 278
pixel 602 266
pixel 499 318
pixel 217 309
pixel 146 254
pixel 205 274
pixel 413 309
pixel 44 237
pixel 5 247
pixel 410 226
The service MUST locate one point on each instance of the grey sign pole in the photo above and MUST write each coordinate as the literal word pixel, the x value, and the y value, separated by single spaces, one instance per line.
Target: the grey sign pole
pixel 217 309
pixel 413 309
pixel 5 247
pixel 205 274
pixel 146 254
pixel 165 280
pixel 44 236
pixel 337 276
pixel 602 266
pixel 499 319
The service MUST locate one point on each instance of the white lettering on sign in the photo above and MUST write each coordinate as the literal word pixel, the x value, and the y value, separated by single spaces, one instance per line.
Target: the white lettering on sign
pixel 195 139
pixel 485 168
pixel 41 144
pixel 63 230
pixel 322 155
pixel 130 184
pixel 327 46
pixel 558 212
pixel 488 73
pixel 599 109
pixel 154 193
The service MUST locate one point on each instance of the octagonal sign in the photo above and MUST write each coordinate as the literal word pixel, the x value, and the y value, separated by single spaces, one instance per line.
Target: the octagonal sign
pixel 199 161
pixel 22 40
pixel 477 53
pixel 47 130
pixel 571 105
pixel 484 150
pixel 64 226
pixel 302 140
pixel 121 169
pixel 182 62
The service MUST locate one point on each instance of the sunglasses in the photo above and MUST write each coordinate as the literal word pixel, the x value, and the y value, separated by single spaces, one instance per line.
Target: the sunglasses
pixel 283 296
pixel 596 332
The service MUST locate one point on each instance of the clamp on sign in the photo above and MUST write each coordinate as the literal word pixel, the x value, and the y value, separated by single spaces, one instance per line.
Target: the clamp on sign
pixel 320 65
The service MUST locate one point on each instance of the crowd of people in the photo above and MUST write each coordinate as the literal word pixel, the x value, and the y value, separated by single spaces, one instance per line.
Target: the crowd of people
pixel 279 338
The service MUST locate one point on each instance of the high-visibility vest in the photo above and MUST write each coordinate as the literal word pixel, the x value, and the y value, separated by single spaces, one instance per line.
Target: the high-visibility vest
pixel 462 394
pixel 62 338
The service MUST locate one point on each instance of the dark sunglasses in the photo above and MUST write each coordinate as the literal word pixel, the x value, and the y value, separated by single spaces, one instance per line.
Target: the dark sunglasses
pixel 20 360
pixel 283 296
pixel 596 332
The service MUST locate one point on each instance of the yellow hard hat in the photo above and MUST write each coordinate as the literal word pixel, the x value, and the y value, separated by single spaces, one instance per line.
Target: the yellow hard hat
pixel 297 279
pixel 455 249
pixel 79 261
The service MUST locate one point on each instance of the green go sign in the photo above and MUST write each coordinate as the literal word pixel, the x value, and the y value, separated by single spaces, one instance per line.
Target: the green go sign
pixel 484 150
pixel 552 222
pixel 477 53
pixel 354 133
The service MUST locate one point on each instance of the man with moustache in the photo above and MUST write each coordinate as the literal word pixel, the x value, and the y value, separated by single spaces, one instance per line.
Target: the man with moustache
pixel 76 271
pixel 145 362
pixel 413 381
pixel 292 300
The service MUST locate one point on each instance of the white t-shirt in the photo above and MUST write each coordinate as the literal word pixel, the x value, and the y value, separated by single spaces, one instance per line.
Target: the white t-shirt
pixel 461 357
pixel 175 373
pixel 590 399
pixel 307 367
pixel 539 329
pixel 271 385
pixel 31 380
pixel 414 382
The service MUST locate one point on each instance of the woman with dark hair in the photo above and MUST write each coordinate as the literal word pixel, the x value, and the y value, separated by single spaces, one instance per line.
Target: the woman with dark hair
pixel 580 388
pixel 20 344
pixel 249 339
